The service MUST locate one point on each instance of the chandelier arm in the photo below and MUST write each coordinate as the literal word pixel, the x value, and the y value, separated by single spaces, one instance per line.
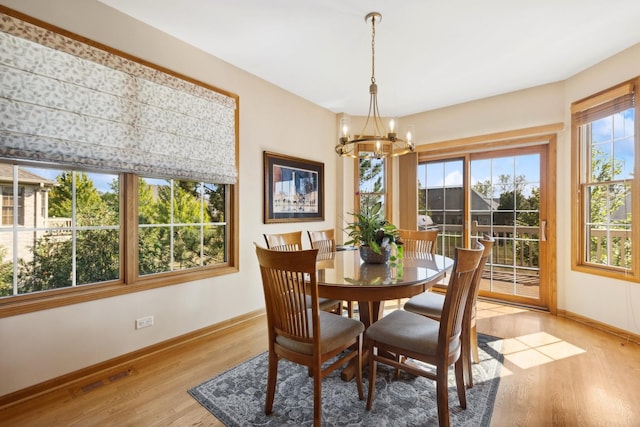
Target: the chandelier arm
pixel 378 125
pixel 369 115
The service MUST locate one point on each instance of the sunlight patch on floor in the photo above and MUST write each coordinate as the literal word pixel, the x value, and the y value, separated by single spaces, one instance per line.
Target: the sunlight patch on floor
pixel 487 310
pixel 536 349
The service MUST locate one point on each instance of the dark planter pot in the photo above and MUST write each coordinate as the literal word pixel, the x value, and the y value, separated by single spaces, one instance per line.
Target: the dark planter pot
pixel 370 257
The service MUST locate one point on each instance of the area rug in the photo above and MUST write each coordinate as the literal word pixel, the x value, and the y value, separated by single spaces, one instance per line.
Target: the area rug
pixel 236 397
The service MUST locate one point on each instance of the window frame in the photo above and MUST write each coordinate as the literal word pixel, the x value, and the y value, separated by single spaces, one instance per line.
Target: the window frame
pixel 130 280
pixel 581 166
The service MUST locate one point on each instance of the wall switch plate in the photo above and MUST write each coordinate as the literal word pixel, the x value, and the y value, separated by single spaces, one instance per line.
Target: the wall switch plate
pixel 144 322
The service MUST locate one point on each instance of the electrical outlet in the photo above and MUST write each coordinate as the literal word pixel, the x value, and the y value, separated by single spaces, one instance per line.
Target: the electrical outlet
pixel 144 322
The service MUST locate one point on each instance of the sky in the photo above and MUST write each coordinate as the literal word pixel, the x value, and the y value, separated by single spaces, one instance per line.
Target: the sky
pixel 450 173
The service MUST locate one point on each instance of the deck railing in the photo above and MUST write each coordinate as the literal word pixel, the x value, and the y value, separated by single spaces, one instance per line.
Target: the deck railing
pixel 610 247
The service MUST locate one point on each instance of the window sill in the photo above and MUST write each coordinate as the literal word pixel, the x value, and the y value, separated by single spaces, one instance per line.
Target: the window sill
pixel 29 303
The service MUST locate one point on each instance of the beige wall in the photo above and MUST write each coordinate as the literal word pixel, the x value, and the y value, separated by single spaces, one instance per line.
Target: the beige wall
pixel 516 110
pixel 39 346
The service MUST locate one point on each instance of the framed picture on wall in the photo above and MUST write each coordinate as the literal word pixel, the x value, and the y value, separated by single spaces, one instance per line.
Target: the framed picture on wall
pixel 293 189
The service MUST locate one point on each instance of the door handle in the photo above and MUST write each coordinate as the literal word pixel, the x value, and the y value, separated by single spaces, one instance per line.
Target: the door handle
pixel 543 231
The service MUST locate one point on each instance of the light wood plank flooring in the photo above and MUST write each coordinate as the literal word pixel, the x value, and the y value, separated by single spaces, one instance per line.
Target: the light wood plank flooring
pixel 556 373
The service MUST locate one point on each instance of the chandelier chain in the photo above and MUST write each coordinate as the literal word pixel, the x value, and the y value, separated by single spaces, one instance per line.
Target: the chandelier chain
pixel 373 49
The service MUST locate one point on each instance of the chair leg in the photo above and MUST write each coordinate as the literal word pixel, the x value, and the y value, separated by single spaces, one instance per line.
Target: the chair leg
pixel 465 357
pixel 474 344
pixel 442 395
pixel 317 396
pixel 359 369
pixel 470 354
pixel 462 394
pixel 372 378
pixel 272 376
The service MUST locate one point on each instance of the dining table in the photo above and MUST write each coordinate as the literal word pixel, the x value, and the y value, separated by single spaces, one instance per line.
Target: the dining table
pixel 342 275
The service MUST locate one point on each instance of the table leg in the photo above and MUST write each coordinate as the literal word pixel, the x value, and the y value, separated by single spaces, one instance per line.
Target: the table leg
pixel 369 312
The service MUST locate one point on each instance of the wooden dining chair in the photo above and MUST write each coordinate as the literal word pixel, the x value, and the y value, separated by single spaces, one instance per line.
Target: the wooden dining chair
pixel 325 242
pixel 403 335
pixel 418 243
pixel 302 334
pixel 293 242
pixel 284 241
pixel 431 304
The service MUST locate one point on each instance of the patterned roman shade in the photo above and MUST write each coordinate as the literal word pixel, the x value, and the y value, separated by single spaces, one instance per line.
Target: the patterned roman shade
pixel 65 101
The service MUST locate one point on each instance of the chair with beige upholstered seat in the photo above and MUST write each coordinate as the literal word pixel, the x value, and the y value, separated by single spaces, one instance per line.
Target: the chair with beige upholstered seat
pixel 430 304
pixel 301 334
pixel 292 241
pixel 402 335
pixel 325 242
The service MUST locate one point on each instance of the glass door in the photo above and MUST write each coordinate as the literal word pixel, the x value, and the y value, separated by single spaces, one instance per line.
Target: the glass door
pixel 504 196
pixel 506 191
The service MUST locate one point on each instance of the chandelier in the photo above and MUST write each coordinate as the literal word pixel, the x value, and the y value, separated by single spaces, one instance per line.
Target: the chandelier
pixel 374 140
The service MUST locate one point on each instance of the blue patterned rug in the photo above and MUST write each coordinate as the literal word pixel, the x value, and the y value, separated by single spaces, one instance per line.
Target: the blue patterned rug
pixel 236 397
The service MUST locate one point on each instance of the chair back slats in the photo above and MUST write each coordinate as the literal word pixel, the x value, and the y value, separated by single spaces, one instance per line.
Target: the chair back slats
pixel 323 240
pixel 284 241
pixel 286 276
pixel 324 246
pixel 418 243
pixel 460 282
pixel 290 303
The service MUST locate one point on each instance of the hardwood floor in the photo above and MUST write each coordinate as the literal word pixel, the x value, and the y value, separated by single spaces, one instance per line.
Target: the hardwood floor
pixel 556 372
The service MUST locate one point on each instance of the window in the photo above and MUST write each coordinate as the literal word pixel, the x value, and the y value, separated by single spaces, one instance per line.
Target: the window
pixel 441 202
pixel 372 182
pixel 605 155
pixel 182 232
pixel 162 208
pixel 9 203
pixel 180 225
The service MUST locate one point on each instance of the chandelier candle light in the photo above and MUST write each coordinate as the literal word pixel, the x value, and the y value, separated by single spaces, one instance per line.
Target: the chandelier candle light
pixel 374 138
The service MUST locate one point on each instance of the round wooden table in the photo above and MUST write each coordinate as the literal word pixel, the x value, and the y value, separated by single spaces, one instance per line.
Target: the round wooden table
pixel 343 276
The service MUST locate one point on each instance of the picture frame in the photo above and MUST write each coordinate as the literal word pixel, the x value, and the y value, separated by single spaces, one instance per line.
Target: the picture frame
pixel 293 189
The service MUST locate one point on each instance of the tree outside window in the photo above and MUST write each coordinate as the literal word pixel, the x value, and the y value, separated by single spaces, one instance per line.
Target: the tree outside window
pixel 78 241
pixel 372 183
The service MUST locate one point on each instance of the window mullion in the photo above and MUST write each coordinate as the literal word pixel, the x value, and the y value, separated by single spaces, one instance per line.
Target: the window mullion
pixel 15 229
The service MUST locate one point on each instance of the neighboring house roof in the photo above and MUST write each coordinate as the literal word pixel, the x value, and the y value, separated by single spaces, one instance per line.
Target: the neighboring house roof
pixel 455 198
pixel 24 176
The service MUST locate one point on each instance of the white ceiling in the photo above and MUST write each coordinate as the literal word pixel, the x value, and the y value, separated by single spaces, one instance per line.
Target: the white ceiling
pixel 429 54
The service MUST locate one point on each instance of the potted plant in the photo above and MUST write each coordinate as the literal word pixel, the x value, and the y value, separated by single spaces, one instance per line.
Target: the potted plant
pixel 374 234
